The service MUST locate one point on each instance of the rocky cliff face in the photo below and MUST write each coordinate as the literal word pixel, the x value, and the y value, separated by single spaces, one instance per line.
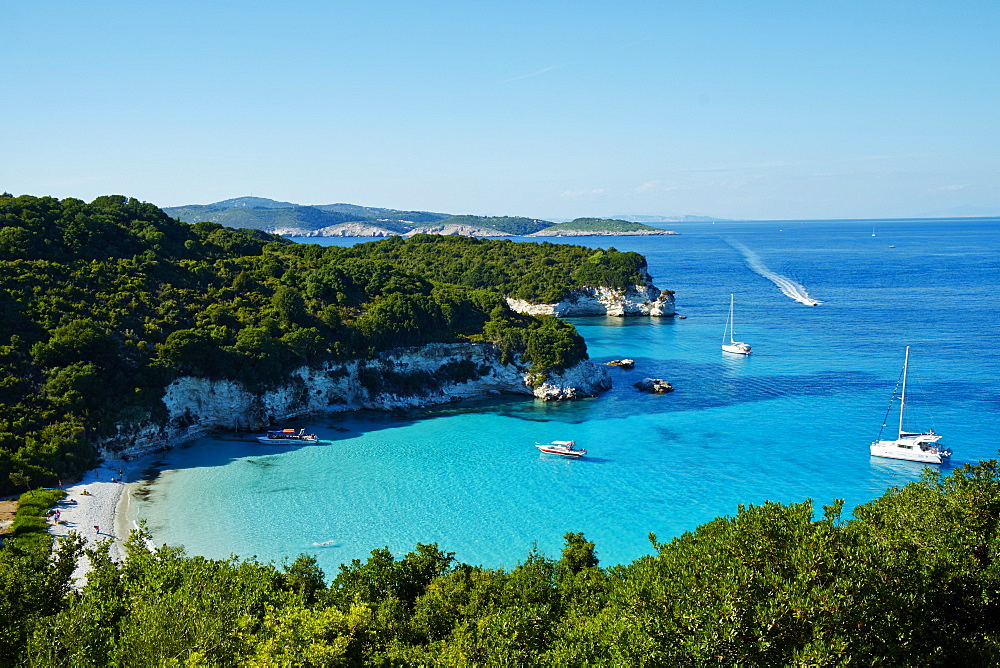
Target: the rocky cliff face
pixel 453 229
pixel 359 229
pixel 645 299
pixel 404 378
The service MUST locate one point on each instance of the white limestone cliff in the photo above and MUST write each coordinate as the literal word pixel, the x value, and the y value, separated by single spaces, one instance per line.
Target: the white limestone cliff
pixel 397 379
pixel 458 229
pixel 643 299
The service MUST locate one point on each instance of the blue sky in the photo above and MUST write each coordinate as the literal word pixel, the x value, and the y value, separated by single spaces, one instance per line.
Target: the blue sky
pixel 798 109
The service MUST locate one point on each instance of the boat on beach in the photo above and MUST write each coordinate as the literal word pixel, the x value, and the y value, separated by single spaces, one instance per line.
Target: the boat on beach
pixel 911 446
pixel 733 346
pixel 287 437
pixel 564 448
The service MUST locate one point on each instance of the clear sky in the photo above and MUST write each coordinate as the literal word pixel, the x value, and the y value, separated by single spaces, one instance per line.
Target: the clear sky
pixel 767 109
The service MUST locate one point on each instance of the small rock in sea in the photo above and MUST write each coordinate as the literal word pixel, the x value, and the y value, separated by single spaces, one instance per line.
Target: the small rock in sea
pixel 682 317
pixel 654 386
pixel 625 363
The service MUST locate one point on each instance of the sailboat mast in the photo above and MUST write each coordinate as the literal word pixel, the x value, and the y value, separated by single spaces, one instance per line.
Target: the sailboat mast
pixel 902 398
pixel 732 329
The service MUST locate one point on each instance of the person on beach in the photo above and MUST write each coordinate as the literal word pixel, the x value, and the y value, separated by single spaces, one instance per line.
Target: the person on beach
pixel 97 529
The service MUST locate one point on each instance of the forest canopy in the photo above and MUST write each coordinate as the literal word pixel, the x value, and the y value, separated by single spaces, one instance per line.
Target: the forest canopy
pixel 103 304
pixel 911 580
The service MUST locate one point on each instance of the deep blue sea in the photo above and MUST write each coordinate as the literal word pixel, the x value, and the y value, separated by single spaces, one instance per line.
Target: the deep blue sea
pixel 791 422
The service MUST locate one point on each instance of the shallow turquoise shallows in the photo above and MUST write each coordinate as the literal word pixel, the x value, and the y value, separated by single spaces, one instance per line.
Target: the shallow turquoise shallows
pixel 792 421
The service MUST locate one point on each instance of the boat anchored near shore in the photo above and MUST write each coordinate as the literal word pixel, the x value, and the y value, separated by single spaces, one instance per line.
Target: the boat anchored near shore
pixel 287 437
pixel 733 346
pixel 564 448
pixel 909 445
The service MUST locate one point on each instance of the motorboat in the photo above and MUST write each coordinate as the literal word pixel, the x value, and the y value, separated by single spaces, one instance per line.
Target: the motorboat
pixel 733 346
pixel 287 437
pixel 912 446
pixel 564 448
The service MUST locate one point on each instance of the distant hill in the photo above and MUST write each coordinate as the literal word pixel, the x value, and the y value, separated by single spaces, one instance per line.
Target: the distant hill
pixel 513 225
pixel 321 220
pixel 268 219
pixel 260 213
pixel 375 213
pixel 253 203
pixel 599 227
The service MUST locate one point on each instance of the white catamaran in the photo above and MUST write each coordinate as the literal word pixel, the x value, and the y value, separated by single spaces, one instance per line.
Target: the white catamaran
pixel 733 346
pixel 911 446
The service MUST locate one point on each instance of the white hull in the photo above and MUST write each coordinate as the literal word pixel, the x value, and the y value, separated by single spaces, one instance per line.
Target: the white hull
pixel 908 452
pixel 733 346
pixel 285 441
pixel 911 446
pixel 564 448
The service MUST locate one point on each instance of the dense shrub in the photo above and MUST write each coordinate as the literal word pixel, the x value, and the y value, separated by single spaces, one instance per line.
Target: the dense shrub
pixel 104 304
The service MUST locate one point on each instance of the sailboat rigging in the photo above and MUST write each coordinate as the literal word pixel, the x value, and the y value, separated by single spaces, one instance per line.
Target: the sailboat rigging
pixel 908 445
pixel 733 346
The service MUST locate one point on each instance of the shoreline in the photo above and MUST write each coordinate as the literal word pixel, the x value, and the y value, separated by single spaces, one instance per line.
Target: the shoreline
pixel 99 502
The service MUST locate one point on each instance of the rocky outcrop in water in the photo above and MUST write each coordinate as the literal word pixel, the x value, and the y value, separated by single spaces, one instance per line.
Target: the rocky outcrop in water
pixel 398 379
pixel 654 386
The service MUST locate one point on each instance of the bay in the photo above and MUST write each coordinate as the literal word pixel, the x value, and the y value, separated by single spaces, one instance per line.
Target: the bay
pixel 790 422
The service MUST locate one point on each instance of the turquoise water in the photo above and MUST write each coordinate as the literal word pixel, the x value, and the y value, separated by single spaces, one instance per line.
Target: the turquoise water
pixel 793 421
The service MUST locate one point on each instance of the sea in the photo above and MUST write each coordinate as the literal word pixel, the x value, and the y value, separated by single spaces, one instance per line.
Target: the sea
pixel 790 422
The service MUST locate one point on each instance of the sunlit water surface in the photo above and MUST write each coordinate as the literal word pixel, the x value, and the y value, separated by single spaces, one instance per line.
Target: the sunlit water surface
pixel 791 422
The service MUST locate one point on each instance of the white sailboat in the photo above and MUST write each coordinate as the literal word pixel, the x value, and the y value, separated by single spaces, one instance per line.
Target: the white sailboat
pixel 733 346
pixel 908 445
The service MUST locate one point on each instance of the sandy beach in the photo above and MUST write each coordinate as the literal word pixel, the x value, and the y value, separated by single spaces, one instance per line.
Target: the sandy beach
pixel 95 513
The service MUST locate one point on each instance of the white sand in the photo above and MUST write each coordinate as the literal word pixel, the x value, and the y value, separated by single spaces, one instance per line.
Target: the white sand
pixel 97 508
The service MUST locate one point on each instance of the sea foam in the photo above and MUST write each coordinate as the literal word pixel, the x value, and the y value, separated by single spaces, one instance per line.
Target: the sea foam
pixel 787 286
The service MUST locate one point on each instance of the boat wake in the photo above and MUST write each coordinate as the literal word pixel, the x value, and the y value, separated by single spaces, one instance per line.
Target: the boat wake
pixel 787 286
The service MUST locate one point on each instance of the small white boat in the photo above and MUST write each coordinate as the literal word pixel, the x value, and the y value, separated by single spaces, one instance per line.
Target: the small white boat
pixel 909 445
pixel 733 346
pixel 564 448
pixel 287 437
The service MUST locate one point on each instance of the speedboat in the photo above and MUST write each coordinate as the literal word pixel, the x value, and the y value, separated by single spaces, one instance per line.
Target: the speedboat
pixel 564 448
pixel 287 437
pixel 909 445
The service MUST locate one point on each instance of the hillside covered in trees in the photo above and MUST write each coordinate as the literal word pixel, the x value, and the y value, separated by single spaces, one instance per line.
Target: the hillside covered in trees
pixel 103 304
pixel 330 219
pixel 264 214
pixel 599 226
pixel 542 272
pixel 912 581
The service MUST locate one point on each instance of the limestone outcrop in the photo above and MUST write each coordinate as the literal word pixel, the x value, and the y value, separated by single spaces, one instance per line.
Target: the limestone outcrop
pixel 397 379
pixel 453 229
pixel 644 299
pixel 654 386
pixel 564 232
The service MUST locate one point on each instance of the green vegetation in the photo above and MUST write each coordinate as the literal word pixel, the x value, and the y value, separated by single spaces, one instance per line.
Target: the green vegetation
pixel 508 224
pixel 103 304
pixel 912 581
pixel 260 218
pixel 602 225
pixel 30 528
pixel 264 214
pixel 542 272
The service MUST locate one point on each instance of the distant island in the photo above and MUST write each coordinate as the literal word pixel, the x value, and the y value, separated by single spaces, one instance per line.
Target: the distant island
pixel 607 227
pixel 350 220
